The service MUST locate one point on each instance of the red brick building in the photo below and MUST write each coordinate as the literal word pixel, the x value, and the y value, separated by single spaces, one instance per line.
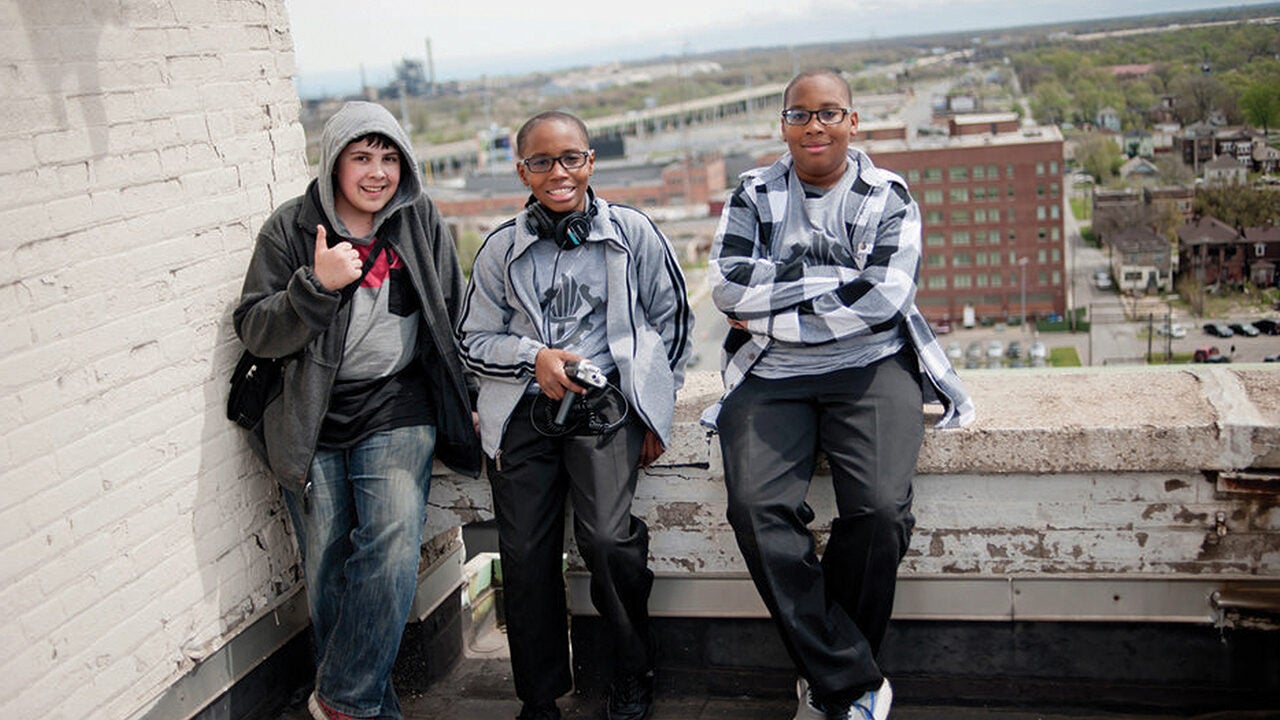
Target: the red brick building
pixel 991 199
pixel 642 186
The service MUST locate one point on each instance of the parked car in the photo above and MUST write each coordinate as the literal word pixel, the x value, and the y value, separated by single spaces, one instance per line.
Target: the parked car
pixel 974 351
pixel 1014 351
pixel 1246 329
pixel 1267 327
pixel 1271 358
pixel 1102 279
pixel 1218 330
pixel 1173 330
pixel 1038 354
pixel 995 350
pixel 1209 355
pixel 954 351
pixel 943 327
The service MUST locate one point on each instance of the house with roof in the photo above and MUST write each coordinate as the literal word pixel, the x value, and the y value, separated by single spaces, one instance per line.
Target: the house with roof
pixel 1170 200
pixel 1109 118
pixel 1262 254
pixel 1138 143
pixel 1115 209
pixel 1266 159
pixel 1141 261
pixel 1140 170
pixel 1212 251
pixel 1196 143
pixel 1126 72
pixel 1238 142
pixel 1162 137
pixel 1225 170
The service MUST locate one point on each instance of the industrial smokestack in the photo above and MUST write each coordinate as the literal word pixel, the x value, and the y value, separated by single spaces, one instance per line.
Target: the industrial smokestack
pixel 431 69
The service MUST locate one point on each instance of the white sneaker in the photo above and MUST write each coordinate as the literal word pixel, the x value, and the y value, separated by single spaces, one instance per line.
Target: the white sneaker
pixel 806 709
pixel 873 705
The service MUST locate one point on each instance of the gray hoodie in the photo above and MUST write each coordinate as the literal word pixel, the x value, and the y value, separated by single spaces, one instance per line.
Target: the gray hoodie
pixel 285 313
pixel 355 120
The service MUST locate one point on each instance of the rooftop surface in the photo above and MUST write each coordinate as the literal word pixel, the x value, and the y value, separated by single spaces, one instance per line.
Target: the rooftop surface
pixel 480 688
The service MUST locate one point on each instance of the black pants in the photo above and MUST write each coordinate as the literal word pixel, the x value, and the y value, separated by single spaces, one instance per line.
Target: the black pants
pixel 832 613
pixel 598 474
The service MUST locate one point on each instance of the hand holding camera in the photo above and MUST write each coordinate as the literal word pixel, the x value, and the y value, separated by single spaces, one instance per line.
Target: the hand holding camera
pixel 584 374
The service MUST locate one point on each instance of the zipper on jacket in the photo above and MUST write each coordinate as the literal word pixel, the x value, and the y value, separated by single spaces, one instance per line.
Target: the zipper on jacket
pixel 306 498
pixel 497 460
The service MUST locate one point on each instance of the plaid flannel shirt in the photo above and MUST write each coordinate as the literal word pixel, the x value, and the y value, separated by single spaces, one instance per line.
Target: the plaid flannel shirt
pixel 794 301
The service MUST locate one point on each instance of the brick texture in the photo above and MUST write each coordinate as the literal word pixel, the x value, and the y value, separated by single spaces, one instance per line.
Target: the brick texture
pixel 141 146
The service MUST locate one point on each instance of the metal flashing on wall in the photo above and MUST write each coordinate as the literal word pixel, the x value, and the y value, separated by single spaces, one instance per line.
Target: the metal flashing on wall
pixel 999 598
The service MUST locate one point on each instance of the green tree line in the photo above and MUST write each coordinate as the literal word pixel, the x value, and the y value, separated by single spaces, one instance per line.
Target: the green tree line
pixel 1232 70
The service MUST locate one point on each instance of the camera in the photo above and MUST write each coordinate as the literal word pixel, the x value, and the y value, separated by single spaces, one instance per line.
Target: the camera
pixel 583 373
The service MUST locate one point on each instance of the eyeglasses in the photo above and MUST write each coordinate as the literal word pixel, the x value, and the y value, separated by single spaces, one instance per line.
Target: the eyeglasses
pixel 826 116
pixel 568 161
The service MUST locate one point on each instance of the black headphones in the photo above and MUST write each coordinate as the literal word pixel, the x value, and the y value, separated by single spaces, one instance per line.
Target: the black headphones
pixel 570 231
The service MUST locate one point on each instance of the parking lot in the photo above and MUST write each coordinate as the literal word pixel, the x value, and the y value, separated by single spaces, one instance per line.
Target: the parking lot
pixel 1123 343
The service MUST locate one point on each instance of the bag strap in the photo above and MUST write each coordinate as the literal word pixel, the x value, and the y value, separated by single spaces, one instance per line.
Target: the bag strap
pixel 379 245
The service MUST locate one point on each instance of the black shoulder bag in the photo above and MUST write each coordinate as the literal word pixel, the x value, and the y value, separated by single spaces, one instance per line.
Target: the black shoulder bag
pixel 257 381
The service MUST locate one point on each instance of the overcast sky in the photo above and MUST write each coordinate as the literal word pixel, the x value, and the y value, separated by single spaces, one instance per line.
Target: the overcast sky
pixel 470 38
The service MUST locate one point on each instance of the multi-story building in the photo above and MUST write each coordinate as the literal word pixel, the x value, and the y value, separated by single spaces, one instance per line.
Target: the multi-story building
pixel 646 185
pixel 991 197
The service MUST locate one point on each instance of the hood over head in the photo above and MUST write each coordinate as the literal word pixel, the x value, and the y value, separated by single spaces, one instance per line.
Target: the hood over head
pixel 355 120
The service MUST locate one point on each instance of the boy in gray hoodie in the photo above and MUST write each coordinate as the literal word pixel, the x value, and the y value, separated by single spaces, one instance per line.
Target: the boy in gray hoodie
pixel 356 283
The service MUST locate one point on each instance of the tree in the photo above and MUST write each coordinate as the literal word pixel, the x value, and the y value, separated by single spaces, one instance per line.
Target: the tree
pixel 1198 97
pixel 1099 156
pixel 1260 103
pixel 1238 206
pixel 1173 171
pixel 1050 102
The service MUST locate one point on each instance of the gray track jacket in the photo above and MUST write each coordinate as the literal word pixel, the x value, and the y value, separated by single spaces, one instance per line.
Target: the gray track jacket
pixel 648 319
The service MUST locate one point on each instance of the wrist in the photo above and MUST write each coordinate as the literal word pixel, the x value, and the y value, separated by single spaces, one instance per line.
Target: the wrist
pixel 309 273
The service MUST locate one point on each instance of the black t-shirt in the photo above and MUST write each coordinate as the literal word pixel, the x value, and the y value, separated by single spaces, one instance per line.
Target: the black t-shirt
pixel 360 408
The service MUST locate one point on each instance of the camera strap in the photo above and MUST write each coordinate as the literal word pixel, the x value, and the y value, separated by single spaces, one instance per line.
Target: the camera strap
pixel 600 411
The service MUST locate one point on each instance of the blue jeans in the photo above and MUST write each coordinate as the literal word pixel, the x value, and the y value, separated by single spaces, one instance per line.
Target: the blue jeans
pixel 359 527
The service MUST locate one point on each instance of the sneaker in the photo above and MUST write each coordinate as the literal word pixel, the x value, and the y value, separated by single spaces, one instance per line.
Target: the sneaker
pixel 320 711
pixel 631 697
pixel 807 709
pixel 873 705
pixel 539 711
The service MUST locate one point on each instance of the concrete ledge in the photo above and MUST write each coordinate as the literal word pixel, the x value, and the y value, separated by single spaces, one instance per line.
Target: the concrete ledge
pixel 1165 473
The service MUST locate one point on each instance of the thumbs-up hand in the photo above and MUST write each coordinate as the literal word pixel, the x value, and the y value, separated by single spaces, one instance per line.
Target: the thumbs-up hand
pixel 337 266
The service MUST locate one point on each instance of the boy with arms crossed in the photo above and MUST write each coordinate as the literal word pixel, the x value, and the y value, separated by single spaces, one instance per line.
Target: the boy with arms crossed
pixel 815 264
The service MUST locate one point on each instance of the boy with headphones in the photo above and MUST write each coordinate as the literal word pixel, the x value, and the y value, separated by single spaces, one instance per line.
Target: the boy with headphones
pixel 573 282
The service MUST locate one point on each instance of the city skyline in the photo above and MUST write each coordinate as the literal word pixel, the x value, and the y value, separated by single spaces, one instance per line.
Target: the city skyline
pixel 338 42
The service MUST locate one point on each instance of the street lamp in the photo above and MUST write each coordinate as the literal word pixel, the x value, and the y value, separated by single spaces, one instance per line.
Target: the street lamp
pixel 1022 265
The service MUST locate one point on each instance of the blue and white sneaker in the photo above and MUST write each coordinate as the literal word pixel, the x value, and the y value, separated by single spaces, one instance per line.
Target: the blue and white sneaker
pixel 873 705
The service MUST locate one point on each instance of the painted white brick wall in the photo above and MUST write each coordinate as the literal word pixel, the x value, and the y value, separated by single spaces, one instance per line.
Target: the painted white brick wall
pixel 142 143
